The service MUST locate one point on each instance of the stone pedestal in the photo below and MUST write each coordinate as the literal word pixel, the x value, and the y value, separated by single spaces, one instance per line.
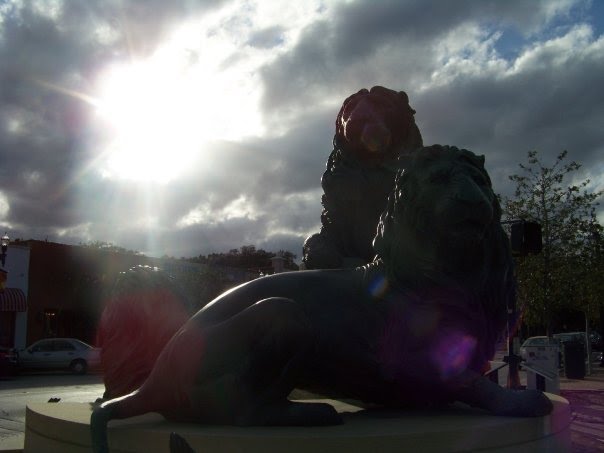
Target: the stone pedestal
pixel 64 427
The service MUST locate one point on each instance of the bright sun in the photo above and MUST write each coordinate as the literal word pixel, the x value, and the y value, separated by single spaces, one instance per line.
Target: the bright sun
pixel 158 114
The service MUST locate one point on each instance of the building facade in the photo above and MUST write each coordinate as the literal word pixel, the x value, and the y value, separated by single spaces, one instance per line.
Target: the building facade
pixel 13 297
pixel 59 290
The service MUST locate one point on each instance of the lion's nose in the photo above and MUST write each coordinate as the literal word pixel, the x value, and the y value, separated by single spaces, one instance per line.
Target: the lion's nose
pixel 477 205
pixel 375 137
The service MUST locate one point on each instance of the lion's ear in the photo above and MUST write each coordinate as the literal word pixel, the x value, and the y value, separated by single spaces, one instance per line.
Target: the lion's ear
pixel 480 159
pixel 404 97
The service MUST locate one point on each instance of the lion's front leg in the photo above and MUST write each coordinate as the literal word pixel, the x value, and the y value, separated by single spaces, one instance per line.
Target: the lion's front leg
pixel 478 391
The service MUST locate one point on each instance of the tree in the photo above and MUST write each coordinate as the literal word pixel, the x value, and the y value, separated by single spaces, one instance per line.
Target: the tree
pixel 247 257
pixel 560 276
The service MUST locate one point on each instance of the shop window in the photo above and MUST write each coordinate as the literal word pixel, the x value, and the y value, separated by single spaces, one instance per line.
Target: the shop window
pixel 51 322
pixel 7 328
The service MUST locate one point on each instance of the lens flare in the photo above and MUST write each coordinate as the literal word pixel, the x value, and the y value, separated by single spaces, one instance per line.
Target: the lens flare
pixel 378 286
pixel 453 353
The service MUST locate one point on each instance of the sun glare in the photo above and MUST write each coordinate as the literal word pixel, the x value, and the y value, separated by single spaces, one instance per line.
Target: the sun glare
pixel 158 114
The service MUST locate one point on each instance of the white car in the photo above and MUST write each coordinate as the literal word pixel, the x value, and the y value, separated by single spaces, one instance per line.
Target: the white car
pixel 60 353
pixel 533 341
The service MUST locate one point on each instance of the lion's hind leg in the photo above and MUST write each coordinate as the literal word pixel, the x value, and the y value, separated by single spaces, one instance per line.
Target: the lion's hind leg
pixel 267 346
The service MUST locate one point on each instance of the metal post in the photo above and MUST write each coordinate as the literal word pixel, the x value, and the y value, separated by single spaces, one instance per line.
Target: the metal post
pixel 4 245
pixel 512 359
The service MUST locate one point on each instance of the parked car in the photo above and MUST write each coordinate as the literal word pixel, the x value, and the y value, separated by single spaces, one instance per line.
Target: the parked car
pixel 533 341
pixel 570 336
pixel 595 339
pixel 597 343
pixel 526 353
pixel 60 353
pixel 8 362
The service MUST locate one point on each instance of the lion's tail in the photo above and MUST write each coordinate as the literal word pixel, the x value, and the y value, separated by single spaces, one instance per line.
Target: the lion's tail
pixel 123 407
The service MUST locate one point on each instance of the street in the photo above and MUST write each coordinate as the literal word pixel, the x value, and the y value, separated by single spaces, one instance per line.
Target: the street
pixel 17 392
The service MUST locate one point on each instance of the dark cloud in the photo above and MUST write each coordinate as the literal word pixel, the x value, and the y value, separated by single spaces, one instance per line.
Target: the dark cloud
pixel 477 73
pixel 358 31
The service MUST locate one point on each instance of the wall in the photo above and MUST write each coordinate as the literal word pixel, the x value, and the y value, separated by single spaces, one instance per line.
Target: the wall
pixel 17 265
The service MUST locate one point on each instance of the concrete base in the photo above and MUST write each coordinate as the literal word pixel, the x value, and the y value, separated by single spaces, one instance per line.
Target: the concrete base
pixel 64 427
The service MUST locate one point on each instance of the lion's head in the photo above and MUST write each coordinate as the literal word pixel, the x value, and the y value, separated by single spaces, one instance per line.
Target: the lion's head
pixel 442 228
pixel 377 122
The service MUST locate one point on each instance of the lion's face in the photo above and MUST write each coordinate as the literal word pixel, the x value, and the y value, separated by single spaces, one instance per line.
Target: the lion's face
pixel 376 122
pixel 442 211
pixel 449 194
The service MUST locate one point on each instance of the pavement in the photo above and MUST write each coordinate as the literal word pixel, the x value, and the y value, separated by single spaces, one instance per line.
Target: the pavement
pixel 586 398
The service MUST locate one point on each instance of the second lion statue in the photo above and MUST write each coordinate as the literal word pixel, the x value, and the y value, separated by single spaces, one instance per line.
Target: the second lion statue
pixel 416 327
pixel 373 129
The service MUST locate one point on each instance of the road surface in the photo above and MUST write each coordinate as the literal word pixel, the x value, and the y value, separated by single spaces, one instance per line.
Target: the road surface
pixel 17 392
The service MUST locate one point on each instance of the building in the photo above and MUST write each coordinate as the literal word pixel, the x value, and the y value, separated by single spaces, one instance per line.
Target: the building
pixel 59 290
pixel 13 297
pixel 68 287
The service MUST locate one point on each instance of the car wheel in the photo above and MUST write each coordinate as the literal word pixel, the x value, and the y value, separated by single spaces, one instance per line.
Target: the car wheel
pixel 78 366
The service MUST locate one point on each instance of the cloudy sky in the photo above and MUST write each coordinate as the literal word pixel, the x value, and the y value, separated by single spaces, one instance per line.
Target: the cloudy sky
pixel 189 127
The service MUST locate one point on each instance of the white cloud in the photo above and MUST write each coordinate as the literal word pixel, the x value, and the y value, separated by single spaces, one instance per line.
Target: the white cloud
pixel 4 206
pixel 240 208
pixel 555 52
pixel 75 231
pixel 467 51
pixel 51 9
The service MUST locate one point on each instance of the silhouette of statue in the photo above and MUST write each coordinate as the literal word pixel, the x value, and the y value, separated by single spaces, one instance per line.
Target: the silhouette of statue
pixel 415 328
pixel 373 129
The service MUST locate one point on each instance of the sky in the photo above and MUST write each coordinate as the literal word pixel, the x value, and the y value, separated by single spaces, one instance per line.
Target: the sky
pixel 190 127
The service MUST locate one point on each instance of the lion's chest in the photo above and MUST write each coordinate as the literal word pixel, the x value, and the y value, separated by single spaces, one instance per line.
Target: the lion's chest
pixel 344 357
pixel 430 339
pixel 389 356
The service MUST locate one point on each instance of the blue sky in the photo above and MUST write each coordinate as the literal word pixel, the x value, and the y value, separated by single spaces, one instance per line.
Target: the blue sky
pixel 189 127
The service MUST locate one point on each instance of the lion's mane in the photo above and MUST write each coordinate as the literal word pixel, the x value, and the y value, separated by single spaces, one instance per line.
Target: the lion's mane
pixel 373 129
pixel 441 233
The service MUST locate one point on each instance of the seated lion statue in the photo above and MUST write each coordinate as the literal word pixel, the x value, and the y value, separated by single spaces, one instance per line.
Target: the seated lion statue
pixel 415 328
pixel 373 128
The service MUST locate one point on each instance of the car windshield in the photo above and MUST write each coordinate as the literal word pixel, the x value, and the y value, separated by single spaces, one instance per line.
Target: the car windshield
pixel 81 345
pixel 536 341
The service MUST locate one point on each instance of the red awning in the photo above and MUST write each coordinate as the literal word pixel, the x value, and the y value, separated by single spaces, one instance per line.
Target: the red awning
pixel 12 299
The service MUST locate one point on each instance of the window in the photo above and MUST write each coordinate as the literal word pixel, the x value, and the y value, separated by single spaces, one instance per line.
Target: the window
pixel 63 346
pixel 50 322
pixel 42 346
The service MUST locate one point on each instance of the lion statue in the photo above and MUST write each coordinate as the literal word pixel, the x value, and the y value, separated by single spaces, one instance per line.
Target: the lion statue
pixel 414 328
pixel 373 129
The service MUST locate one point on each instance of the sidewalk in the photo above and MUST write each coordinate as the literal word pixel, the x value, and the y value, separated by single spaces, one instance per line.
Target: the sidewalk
pixel 586 398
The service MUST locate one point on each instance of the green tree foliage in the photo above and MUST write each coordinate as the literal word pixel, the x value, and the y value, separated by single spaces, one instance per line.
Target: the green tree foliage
pixel 563 274
pixel 247 257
